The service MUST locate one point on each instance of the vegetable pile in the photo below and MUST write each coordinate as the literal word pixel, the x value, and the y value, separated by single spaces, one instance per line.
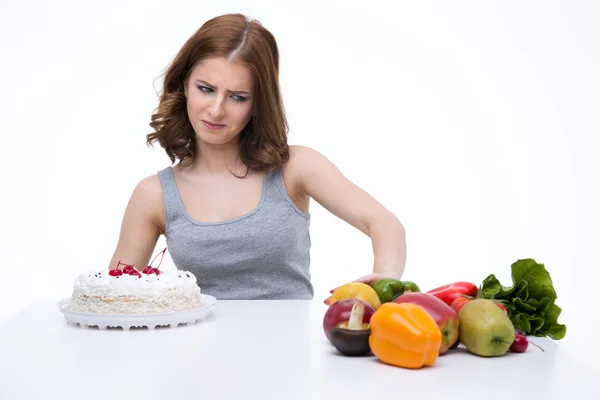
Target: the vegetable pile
pixel 404 327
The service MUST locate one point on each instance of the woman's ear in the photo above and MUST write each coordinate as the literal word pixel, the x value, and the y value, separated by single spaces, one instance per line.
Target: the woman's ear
pixel 185 86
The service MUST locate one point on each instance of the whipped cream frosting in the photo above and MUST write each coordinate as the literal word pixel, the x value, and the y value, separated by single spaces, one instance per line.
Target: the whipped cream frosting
pixel 102 283
pixel 171 290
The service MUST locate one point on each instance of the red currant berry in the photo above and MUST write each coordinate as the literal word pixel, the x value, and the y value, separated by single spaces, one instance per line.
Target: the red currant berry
pixel 128 269
pixel 148 270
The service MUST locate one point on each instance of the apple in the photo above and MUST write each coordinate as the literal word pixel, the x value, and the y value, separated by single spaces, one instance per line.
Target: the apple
pixel 445 316
pixel 340 311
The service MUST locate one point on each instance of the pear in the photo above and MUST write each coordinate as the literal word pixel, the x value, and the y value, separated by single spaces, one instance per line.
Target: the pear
pixel 485 329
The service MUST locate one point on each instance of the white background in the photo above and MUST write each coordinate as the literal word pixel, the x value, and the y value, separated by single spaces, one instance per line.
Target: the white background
pixel 475 122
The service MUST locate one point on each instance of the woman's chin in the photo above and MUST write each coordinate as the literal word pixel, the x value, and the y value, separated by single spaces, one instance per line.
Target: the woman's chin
pixel 216 140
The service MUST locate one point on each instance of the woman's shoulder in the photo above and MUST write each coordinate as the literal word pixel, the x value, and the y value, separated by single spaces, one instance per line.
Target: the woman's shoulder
pixel 300 151
pixel 304 161
pixel 293 168
pixel 148 187
pixel 297 171
pixel 300 155
pixel 147 198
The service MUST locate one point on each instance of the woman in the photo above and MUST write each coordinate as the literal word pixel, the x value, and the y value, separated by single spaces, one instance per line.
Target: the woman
pixel 234 206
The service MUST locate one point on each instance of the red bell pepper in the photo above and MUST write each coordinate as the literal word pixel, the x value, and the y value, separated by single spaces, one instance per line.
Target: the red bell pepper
pixel 449 293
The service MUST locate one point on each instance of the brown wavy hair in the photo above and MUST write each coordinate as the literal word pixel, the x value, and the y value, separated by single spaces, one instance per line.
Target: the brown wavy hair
pixel 263 141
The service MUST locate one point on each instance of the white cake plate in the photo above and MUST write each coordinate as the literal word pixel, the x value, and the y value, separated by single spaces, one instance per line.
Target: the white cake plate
pixel 127 321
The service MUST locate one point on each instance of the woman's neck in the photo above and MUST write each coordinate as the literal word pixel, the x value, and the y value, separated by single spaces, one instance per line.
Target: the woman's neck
pixel 218 159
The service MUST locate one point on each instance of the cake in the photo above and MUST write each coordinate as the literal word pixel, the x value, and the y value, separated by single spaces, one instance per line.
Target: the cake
pixel 129 291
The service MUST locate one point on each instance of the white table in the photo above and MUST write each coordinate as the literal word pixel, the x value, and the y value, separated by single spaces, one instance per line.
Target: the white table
pixel 256 350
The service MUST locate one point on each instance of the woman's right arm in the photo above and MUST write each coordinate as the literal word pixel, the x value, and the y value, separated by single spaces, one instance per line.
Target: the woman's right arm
pixel 143 223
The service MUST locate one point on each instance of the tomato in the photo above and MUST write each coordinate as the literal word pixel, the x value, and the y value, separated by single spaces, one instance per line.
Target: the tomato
pixel 459 303
pixel 502 308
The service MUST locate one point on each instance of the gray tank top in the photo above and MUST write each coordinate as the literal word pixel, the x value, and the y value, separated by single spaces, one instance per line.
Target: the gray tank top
pixel 264 254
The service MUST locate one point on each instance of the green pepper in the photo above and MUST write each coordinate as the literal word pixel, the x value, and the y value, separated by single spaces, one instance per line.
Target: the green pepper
pixel 388 288
pixel 410 287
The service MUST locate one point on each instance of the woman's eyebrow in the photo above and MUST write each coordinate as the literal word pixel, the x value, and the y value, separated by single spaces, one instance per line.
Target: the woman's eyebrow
pixel 214 87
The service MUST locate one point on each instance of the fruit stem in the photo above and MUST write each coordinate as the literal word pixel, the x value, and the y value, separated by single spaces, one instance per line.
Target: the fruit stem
pixel 356 316
pixel 126 265
pixel 161 259
pixel 536 346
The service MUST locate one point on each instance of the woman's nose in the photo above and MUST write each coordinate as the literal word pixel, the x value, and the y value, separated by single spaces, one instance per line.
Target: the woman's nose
pixel 216 109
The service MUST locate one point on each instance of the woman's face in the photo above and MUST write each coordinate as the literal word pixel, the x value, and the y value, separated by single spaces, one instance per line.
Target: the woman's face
pixel 219 100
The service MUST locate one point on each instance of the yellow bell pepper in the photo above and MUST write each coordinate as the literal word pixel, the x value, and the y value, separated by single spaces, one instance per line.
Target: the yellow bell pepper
pixel 404 335
pixel 356 290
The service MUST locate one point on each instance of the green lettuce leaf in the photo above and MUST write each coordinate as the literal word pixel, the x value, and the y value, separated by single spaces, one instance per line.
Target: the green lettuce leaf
pixel 541 306
pixel 523 306
pixel 555 330
pixel 539 282
pixel 529 301
pixel 536 324
pixel 493 289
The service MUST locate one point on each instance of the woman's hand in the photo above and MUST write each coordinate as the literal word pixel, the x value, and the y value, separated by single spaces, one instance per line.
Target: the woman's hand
pixel 368 279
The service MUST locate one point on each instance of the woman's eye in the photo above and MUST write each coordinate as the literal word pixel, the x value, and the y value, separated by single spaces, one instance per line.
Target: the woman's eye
pixel 239 99
pixel 205 89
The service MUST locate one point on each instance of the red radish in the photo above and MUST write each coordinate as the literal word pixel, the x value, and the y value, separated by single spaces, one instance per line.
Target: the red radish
pixel 521 343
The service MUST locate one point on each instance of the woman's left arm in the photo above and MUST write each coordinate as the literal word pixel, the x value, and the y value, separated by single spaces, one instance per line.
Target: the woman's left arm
pixel 322 180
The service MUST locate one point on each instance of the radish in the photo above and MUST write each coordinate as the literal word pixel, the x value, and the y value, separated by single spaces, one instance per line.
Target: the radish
pixel 521 343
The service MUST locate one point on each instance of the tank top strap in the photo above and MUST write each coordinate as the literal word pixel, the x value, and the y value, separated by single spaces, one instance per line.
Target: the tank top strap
pixel 276 191
pixel 170 194
pixel 273 177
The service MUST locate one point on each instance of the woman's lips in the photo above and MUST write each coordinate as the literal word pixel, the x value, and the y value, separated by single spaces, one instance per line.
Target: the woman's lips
pixel 212 126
